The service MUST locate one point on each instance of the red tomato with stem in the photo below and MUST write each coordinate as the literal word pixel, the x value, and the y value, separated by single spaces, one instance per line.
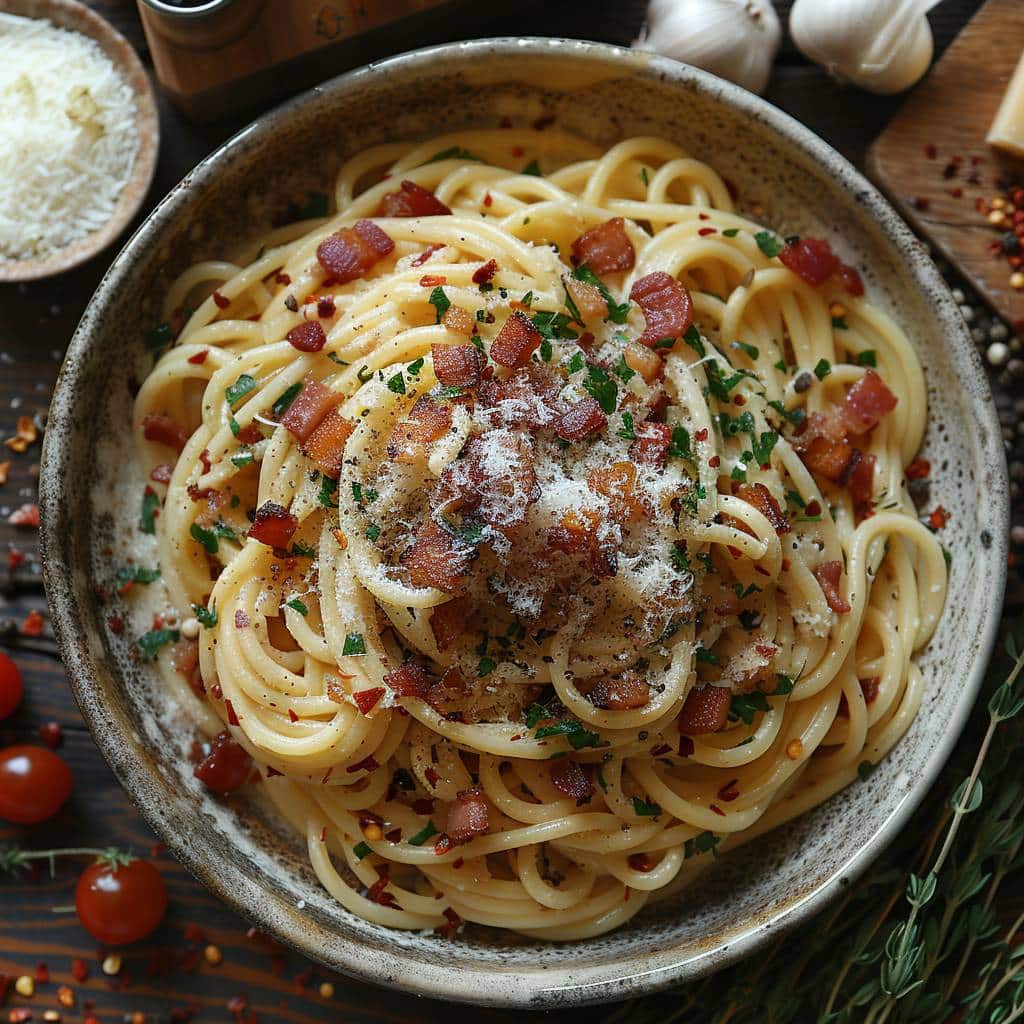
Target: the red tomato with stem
pixel 11 687
pixel 34 783
pixel 119 902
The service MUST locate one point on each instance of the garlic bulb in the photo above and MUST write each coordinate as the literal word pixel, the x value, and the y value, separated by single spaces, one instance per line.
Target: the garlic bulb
pixel 734 39
pixel 883 46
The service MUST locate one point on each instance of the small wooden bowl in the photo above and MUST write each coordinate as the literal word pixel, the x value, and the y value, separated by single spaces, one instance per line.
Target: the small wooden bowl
pixel 77 17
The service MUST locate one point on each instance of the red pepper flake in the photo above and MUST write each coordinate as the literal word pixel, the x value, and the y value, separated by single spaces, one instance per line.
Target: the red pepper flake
pixel 52 735
pixel 704 216
pixel 14 558
pixel 195 934
pixel 282 278
pixel 325 307
pixel 115 624
pixel 701 435
pixel 930 151
pixel 485 272
pixel 921 203
pixel 79 970
pixel 33 624
pixel 639 862
pixel 27 515
pixel 204 458
pixel 704 232
pixel 686 747
pixel 919 469
pixel 230 708
pixel 292 716
pixel 661 748
pixel 422 258
pixel 199 358
pixel 377 893
pixel 518 151
pixel 221 301
pixel 714 462
pixel 366 700
pixel 368 764
pixel 718 810
pixel 813 508
pixel 957 192
pixel 433 280
pixel 938 518
pixel 394 836
pixel 738 400
pixel 432 777
pixel 488 200
pixel 458 863
pixel 729 792
pixel 442 845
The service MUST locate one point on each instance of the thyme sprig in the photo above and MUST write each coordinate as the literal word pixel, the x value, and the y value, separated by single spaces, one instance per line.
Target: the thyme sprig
pixel 14 859
pixel 918 939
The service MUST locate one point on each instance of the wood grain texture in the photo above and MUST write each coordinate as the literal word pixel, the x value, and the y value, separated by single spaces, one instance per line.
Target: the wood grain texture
pixel 36 322
pixel 952 111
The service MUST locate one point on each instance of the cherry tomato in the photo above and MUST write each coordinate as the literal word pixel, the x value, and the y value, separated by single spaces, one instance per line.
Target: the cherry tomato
pixel 34 783
pixel 120 903
pixel 10 686
pixel 226 767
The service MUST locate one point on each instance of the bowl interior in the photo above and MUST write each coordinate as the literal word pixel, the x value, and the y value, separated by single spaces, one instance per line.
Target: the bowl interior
pixel 604 94
pixel 76 17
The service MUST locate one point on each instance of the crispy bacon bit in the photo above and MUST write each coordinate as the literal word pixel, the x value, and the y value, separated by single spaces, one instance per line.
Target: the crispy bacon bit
pixel 468 816
pixel 605 248
pixel 811 259
pixel 828 575
pixel 185 656
pixel 581 420
pixel 666 304
pixel 162 429
pixel 764 501
pixel 26 515
pixel 308 336
pixel 227 766
pixel 460 321
pixel 199 357
pixel 571 781
pixel 616 483
pixel 422 258
pixel 351 252
pixel 273 525
pixel 412 201
pixel 432 280
pixel 919 469
pixel 851 279
pixel 862 487
pixel 870 687
pixel 528 398
pixel 325 447
pixel 448 622
pixel 221 301
pixel 705 710
pixel 867 402
pixel 410 679
pixel 438 559
pixel 826 457
pixel 625 692
pixel 366 700
pixel 427 421
pixel 484 273
pixel 644 361
pixel 938 518
pixel 308 408
pixel 516 341
pixel 652 443
pixel 588 299
pixel 458 366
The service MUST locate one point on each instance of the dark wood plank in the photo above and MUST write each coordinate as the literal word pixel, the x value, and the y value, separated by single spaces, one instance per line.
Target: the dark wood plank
pixel 36 322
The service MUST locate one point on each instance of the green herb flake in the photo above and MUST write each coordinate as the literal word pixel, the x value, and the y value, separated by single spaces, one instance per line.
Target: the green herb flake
pixel 159 338
pixel 327 488
pixel 364 374
pixel 136 574
pixel 768 244
pixel 869 357
pixel 693 339
pixel 840 324
pixel 361 850
pixel 546 350
pixel 707 657
pixel 284 401
pixel 553 325
pixel 413 369
pixel 440 301
pixel 644 809
pixel 486 667
pixel 751 350
pixel 623 370
pixel 207 538
pixel 423 835
pixel 397 383
pixel 242 459
pixel 704 842
pixel 454 153
pixel 576 363
pixel 730 232
pixel 600 385
pixel 149 644
pixel 354 645
pixel 618 312
pixel 299 606
pixel 644 176
pixel 372 532
pixel 864 770
pixel 626 431
pixel 301 550
pixel 745 705
pixel 235 426
pixel 532 168
pixel 822 369
pixel 207 616
pixel 240 388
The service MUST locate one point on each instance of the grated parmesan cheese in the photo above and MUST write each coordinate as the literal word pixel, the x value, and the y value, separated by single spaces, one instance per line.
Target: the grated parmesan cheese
pixel 67 137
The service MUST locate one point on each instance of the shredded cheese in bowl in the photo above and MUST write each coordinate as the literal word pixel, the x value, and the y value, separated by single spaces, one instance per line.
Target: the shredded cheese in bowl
pixel 68 138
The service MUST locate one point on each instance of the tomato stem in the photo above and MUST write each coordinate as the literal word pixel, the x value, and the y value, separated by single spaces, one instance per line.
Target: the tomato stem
pixel 12 858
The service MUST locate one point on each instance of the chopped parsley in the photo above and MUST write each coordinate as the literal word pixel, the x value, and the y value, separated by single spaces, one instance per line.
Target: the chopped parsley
pixel 601 781
pixel 783 684
pixel 869 357
pixel 423 835
pixel 327 488
pixel 553 325
pixel 242 459
pixel 768 244
pixel 364 374
pixel 623 370
pixel 159 338
pixel 372 532
pixel 454 153
pixel 354 644
pixel 864 770
pixel 680 446
pixel 440 302
pixel 284 401
pixel 840 324
pixel 207 616
pixel 136 574
pixel 626 431
pixel 763 446
pixel 240 388
pixel 576 363
pixel 301 550
pixel 236 428
pixel 207 538
pixel 486 667
pixel 618 312
pixel 602 388
pixel 645 809
pixel 680 561
pixel 822 369
pixel 794 416
pixel 299 606
pixel 545 350
pixel 532 168
pixel 361 850
pixel 745 705
pixel 335 358
pixel 570 728
pixel 731 232
pixel 413 369
pixel 705 842
pixel 751 350
pixel 149 644
pixel 708 657
pixel 644 176
pixel 397 383
pixel 150 508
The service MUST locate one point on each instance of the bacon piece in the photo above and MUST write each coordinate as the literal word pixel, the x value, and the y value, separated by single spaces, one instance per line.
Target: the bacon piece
pixel 705 710
pixel 351 252
pixel 516 341
pixel 587 298
pixel 227 766
pixel 273 526
pixel 828 458
pixel 308 408
pixel 528 398
pixel 571 536
pixel 410 679
pixel 571 780
pixel 851 280
pixel 644 361
pixel 460 321
pixel 605 248
pixel 458 366
pixel 308 336
pixel 828 575
pixel 811 259
pixel 438 559
pixel 580 420
pixel 867 402
pixel 624 692
pixel 250 434
pixel 162 429
pixel 484 273
pixel 666 304
pixel 862 485
pixel 870 687
pixel 427 421
pixel 764 501
pixel 616 483
pixel 468 816
pixel 326 445
pixel 652 443
pixel 412 200
pixel 448 622
pixel 449 692
pixel 919 469
pixel 185 656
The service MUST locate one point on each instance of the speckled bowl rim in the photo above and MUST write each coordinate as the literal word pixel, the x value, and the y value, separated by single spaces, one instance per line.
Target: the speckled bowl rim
pixel 632 974
pixel 70 14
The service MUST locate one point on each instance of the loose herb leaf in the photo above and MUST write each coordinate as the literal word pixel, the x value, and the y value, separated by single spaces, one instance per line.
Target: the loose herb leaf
pixel 207 538
pixel 454 153
pixel 240 388
pixel 149 644
pixel 751 350
pixel 372 532
pixel 603 388
pixel 532 168
pixel 869 357
pixel 486 667
pixel 768 244
pixel 136 574
pixel 159 338
pixel 284 401
pixel 423 835
pixel 354 645
pixel 361 850
pixel 731 232
pixel 626 431
pixel 440 302
pixel 150 509
pixel 553 325
pixel 397 383
pixel 206 616
pixel 618 312
pixel 822 369
pixel 242 459
pixel 645 809
pixel 745 705
pixel 327 488
pixel 299 606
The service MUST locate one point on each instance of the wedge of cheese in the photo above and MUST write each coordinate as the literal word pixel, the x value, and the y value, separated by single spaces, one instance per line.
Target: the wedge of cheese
pixel 1007 131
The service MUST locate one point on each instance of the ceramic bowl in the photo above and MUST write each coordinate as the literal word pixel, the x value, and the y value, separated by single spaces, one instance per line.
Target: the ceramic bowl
pixel 77 17
pixel 90 496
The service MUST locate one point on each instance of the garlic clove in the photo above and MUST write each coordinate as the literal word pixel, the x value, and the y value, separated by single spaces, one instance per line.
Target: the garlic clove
pixel 734 39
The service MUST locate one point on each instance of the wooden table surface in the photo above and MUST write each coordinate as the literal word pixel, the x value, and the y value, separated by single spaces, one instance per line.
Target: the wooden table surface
pixel 165 977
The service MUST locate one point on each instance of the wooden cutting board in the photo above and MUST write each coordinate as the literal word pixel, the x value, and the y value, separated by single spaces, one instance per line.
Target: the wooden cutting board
pixel 951 110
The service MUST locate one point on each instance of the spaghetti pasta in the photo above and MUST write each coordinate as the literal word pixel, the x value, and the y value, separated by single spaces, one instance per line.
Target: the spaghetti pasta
pixel 545 534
